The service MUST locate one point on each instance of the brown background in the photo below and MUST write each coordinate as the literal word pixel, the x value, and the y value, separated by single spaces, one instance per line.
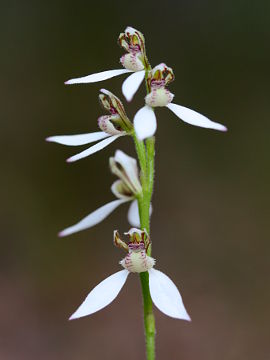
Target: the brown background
pixel 210 227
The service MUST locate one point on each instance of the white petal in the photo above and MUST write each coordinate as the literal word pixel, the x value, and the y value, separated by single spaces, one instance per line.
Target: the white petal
pixel 166 296
pixel 145 122
pixel 129 164
pixel 104 75
pixel 81 139
pixel 102 295
pixel 93 149
pixel 133 214
pixel 194 118
pixel 94 218
pixel 132 84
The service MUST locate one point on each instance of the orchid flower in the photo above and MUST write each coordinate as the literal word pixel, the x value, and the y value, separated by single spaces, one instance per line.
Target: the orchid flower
pixel 125 189
pixel 164 293
pixel 145 122
pixel 113 126
pixel 134 61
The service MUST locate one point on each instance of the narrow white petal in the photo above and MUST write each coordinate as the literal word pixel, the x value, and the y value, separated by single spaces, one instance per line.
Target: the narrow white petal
pixel 166 296
pixel 194 118
pixel 133 214
pixel 132 84
pixel 93 149
pixel 81 139
pixel 104 75
pixel 102 295
pixel 145 122
pixel 94 218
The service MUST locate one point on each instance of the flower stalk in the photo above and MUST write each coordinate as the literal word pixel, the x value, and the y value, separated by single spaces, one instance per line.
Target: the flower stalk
pixel 146 155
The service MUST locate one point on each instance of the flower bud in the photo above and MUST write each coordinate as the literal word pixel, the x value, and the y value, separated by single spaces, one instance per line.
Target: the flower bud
pixel 132 61
pixel 159 97
pixel 111 103
pixel 125 167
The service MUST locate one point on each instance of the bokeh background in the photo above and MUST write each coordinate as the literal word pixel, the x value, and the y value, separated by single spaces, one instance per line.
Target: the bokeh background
pixel 210 226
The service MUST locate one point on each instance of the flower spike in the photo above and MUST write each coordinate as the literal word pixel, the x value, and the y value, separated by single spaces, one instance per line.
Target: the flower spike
pixel 164 293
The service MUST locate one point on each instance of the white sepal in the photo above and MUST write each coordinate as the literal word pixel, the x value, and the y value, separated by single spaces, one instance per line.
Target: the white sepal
pixel 133 214
pixel 166 296
pixel 104 75
pixel 94 218
pixel 132 84
pixel 194 118
pixel 80 139
pixel 145 122
pixel 102 295
pixel 93 149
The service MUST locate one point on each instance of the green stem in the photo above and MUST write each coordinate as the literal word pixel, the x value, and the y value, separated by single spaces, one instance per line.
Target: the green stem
pixel 140 149
pixel 150 148
pixel 146 156
pixel 149 319
pixel 146 159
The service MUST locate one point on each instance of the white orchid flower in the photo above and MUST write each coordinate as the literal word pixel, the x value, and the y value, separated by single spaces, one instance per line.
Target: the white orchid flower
pixel 126 189
pixel 113 126
pixel 164 293
pixel 145 123
pixel 134 61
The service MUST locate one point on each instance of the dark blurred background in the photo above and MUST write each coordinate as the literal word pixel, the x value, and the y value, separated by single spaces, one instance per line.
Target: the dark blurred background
pixel 210 226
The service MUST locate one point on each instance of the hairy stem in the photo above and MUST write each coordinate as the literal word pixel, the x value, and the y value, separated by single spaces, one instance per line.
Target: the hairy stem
pixel 146 156
pixel 149 319
pixel 146 159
